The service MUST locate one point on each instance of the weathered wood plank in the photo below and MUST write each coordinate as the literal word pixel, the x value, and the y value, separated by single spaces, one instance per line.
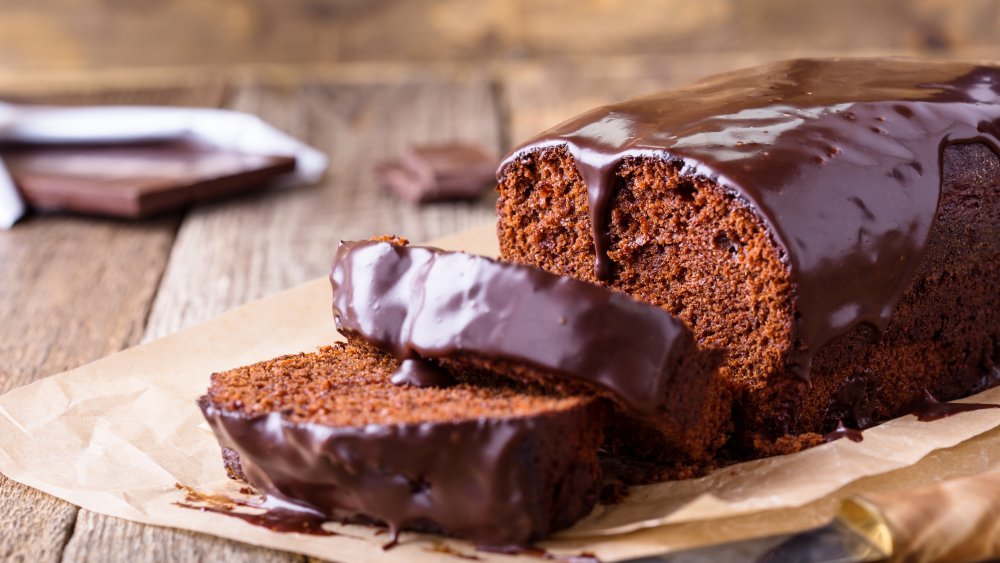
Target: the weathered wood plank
pixel 35 525
pixel 233 252
pixel 228 254
pixel 72 290
pixel 102 539
pixel 95 33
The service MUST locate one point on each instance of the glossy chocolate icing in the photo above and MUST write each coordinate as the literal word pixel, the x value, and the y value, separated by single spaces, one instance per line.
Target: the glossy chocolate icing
pixel 473 478
pixel 840 158
pixel 427 303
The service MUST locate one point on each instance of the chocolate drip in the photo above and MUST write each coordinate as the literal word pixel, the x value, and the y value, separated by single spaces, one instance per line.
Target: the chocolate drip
pixel 928 408
pixel 415 301
pixel 277 515
pixel 417 373
pixel 840 158
pixel 852 434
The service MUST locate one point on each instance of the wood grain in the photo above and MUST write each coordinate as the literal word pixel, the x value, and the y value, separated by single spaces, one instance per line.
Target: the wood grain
pixel 101 33
pixel 229 253
pixel 73 289
pixel 35 525
pixel 102 539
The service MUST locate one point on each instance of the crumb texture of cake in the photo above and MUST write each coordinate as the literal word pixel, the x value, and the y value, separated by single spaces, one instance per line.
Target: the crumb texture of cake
pixel 525 324
pixel 498 464
pixel 833 225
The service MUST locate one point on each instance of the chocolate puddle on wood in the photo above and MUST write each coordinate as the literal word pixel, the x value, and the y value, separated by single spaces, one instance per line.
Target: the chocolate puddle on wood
pixel 534 551
pixel 276 516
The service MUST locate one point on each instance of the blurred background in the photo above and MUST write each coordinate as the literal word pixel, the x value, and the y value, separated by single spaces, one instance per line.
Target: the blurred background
pixel 362 80
pixel 124 33
pixel 630 47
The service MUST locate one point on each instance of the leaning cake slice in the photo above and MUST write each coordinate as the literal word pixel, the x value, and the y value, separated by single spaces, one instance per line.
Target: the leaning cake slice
pixel 493 463
pixel 522 323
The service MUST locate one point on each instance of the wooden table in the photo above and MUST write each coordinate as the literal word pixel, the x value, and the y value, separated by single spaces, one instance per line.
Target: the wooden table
pixel 74 289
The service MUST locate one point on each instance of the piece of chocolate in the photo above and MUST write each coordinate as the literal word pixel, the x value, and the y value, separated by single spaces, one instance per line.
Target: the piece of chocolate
pixel 135 180
pixel 447 172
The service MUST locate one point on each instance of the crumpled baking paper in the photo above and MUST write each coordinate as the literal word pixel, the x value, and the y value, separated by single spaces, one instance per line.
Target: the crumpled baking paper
pixel 115 436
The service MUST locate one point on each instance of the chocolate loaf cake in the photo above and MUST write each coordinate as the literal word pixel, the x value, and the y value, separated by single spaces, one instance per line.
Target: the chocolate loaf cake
pixel 833 225
pixel 497 464
pixel 465 311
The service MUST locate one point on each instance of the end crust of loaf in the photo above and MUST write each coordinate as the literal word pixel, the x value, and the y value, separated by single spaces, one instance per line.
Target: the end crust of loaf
pixel 496 464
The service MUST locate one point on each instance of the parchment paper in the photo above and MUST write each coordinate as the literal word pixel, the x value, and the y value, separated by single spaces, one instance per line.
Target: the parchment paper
pixel 116 435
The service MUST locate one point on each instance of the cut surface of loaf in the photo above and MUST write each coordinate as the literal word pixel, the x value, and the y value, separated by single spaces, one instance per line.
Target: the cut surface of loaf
pixel 525 324
pixel 808 217
pixel 497 464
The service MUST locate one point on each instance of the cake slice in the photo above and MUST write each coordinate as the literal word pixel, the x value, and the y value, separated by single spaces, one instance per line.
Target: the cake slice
pixel 464 311
pixel 833 225
pixel 497 464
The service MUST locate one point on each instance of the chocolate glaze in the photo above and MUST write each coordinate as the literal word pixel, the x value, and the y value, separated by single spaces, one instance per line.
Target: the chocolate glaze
pixel 466 478
pixel 274 519
pixel 418 373
pixel 852 434
pixel 841 158
pixel 415 301
pixel 928 408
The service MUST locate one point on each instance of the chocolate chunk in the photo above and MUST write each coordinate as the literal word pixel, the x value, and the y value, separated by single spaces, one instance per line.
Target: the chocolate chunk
pixel 447 172
pixel 135 180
